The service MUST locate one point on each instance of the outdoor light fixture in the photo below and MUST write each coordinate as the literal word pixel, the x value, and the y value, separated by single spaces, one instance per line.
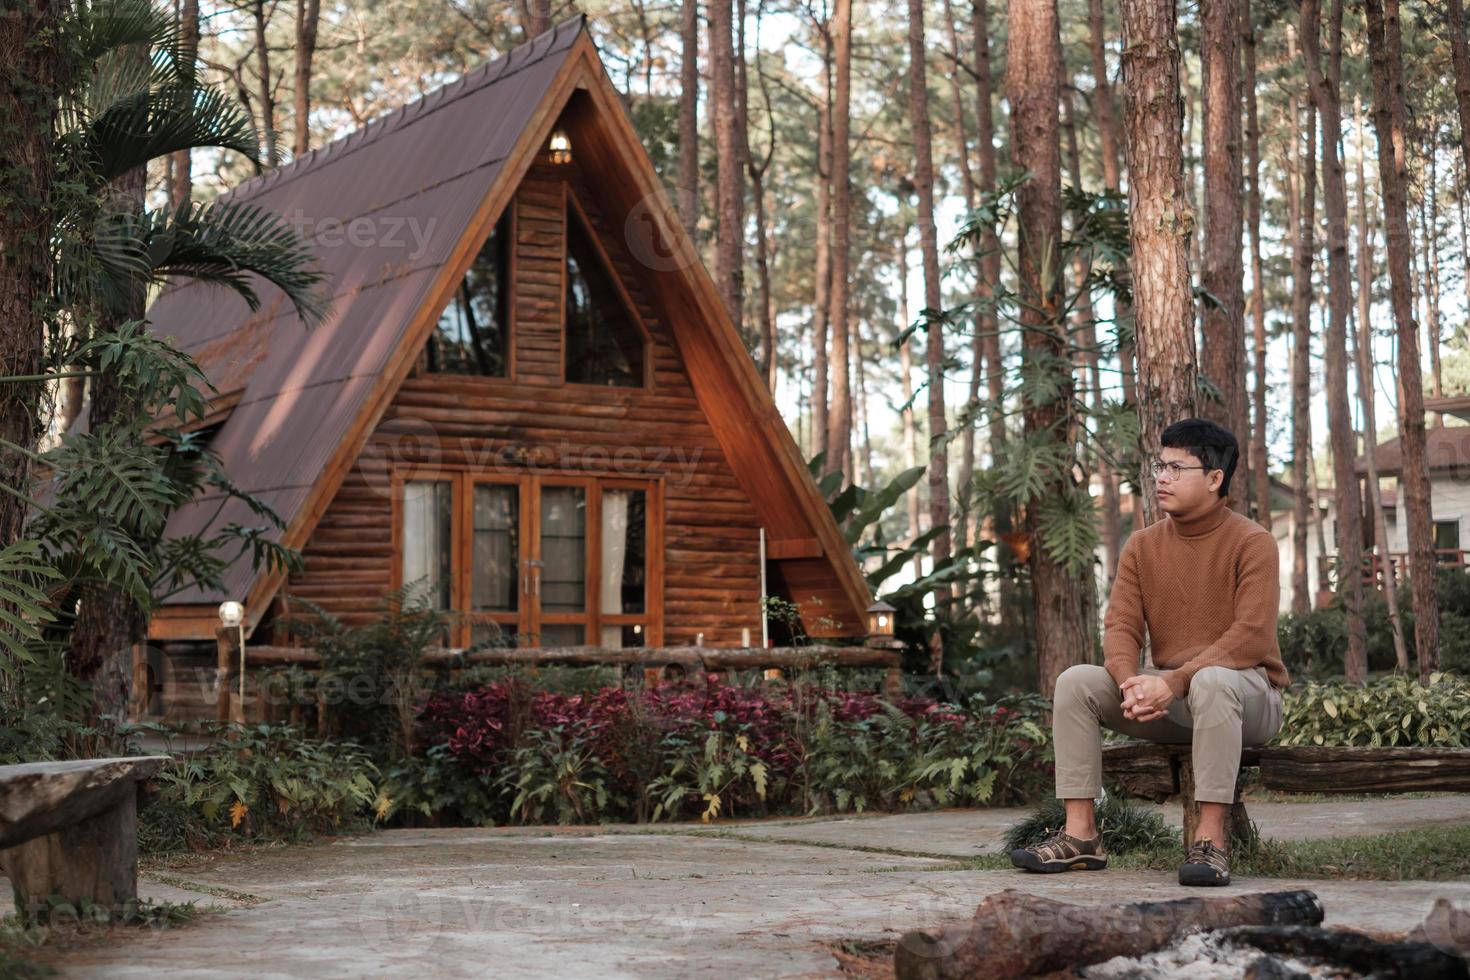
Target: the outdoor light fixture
pixel 232 614
pixel 560 147
pixel 880 619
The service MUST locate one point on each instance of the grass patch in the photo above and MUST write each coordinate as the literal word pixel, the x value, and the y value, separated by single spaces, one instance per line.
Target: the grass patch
pixel 64 924
pixel 1425 854
pixel 1125 824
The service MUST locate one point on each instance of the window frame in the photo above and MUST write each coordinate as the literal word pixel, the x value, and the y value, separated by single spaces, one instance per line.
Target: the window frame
pixel 511 216
pixel 1439 556
pixel 570 203
pixel 528 617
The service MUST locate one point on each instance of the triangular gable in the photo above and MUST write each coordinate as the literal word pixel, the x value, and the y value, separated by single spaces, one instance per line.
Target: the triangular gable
pixel 313 400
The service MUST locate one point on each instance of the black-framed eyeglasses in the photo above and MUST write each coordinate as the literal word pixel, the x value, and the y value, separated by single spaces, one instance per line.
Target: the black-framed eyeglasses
pixel 1158 467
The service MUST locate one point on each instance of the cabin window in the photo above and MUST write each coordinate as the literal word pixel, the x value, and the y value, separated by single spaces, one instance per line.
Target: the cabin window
pixel 535 561
pixel 1447 541
pixel 473 333
pixel 427 541
pixel 604 345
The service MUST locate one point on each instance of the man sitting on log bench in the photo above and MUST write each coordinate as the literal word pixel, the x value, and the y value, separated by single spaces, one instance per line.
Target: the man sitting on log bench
pixel 1204 584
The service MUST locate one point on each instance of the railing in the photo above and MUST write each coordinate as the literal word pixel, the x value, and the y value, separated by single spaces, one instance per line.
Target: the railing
pixel 1373 565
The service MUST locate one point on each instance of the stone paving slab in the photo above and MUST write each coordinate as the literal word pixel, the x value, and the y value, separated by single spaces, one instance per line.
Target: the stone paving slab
pixel 476 903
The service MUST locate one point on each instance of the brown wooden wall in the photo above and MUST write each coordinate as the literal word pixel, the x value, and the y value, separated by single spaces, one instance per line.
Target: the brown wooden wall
pixel 710 540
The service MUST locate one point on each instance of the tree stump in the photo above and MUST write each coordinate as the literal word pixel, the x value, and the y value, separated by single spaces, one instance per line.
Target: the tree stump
pixel 1240 821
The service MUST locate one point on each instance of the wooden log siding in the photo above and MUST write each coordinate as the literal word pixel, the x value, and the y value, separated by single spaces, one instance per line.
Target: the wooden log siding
pixel 711 534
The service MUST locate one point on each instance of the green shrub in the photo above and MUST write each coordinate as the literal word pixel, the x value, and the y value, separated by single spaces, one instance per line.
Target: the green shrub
pixel 1126 825
pixel 261 782
pixel 858 764
pixel 1391 710
pixel 434 789
pixel 1313 645
pixel 556 774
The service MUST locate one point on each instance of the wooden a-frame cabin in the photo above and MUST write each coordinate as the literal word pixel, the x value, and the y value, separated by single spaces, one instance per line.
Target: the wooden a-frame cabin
pixel 526 395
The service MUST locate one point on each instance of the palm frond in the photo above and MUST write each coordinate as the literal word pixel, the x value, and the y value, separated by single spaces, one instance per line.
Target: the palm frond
pixel 149 123
pixel 232 245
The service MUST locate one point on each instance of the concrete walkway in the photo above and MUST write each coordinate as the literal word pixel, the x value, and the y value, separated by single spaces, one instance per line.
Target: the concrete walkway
pixel 752 899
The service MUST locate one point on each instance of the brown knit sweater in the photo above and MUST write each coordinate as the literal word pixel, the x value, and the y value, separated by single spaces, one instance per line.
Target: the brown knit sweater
pixel 1207 590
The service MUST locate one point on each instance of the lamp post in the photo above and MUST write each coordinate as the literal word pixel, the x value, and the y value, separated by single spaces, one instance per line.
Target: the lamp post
pixel 880 622
pixel 232 613
pixel 880 637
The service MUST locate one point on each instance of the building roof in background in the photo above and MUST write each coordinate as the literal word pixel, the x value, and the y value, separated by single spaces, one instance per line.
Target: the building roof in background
pixel 1446 450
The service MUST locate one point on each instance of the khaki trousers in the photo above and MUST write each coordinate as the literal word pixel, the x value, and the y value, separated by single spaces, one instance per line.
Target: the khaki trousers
pixel 1224 709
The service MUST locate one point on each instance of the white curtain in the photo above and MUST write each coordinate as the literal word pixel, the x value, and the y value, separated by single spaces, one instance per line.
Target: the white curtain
pixel 425 512
pixel 614 548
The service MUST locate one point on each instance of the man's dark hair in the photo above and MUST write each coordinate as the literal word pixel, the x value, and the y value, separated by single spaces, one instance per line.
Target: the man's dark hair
pixel 1213 445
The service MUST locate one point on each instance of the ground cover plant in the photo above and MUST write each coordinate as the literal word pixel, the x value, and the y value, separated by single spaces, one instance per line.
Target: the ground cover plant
pixel 514 754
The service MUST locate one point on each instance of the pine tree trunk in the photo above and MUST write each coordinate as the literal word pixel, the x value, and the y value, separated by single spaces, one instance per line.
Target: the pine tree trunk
pixel 1085 319
pixel 933 287
pixel 1326 93
pixel 839 413
pixel 1259 460
pixel 1460 192
pixel 1460 58
pixel 1428 236
pixel 181 179
pixel 1107 128
pixel 538 17
pixel 1102 97
pixel 688 189
pixel 308 14
pixel 906 369
pixel 1385 48
pixel 757 171
pixel 822 264
pixel 987 343
pixel 1222 354
pixel 32 71
pixel 1301 354
pixel 108 621
pixel 1064 632
pixel 1159 229
pixel 267 91
pixel 961 536
pixel 1366 396
pixel 730 175
pixel 864 463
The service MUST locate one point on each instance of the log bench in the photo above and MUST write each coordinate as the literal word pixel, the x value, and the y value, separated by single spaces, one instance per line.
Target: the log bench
pixel 69 830
pixel 1156 772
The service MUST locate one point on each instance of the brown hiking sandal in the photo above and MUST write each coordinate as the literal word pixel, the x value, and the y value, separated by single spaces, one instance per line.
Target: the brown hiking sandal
pixel 1205 864
pixel 1062 852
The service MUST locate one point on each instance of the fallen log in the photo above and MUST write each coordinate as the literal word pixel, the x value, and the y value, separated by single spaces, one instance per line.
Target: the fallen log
pixel 1017 934
pixel 1367 956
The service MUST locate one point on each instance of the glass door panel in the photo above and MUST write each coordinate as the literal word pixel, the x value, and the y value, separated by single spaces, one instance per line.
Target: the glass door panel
pixel 563 572
pixel 563 635
pixel 496 558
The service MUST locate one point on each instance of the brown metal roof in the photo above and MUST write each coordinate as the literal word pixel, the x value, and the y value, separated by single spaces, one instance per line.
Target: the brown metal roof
pixel 1446 450
pixel 444 167
pixel 384 208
